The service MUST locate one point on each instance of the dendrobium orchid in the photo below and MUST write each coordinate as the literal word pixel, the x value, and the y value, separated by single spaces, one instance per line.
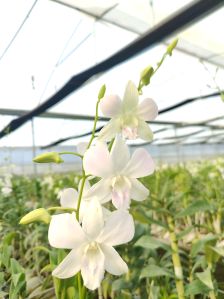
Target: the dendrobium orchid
pixel 128 116
pixel 92 243
pixel 119 172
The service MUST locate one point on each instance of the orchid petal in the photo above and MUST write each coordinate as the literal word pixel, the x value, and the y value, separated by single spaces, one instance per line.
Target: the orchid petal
pixel 102 190
pixel 138 191
pixel 110 105
pixel 81 147
pixel 119 154
pixel 114 264
pixel 121 200
pixel 93 222
pixel 97 160
pixel 119 229
pixel 130 99
pixel 65 231
pixel 92 269
pixel 144 131
pixel 69 266
pixel 68 198
pixel 140 164
pixel 147 110
pixel 109 131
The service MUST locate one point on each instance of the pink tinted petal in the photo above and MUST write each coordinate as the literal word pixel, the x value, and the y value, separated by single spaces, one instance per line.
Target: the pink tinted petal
pixel 68 198
pixel 109 131
pixel 93 222
pixel 114 264
pixel 147 110
pixel 110 105
pixel 130 100
pixel 119 154
pixel 140 165
pixel 65 231
pixel 92 268
pixel 138 191
pixel 121 199
pixel 144 131
pixel 119 229
pixel 97 161
pixel 102 190
pixel 70 265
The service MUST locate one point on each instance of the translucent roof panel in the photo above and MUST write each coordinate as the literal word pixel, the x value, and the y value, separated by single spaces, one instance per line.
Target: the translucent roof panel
pixel 57 41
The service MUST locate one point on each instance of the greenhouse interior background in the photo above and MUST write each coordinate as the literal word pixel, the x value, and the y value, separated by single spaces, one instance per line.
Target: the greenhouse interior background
pixel 55 55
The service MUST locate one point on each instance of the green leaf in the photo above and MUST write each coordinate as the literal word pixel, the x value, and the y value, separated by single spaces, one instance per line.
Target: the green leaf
pixel 184 232
pixel 120 284
pixel 151 243
pixel 154 271
pixel 196 287
pixel 218 250
pixel 144 219
pixel 195 207
pixel 47 268
pixel 206 278
pixel 16 278
pixel 199 245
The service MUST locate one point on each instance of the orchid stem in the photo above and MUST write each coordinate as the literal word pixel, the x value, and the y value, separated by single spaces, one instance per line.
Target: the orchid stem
pixel 80 194
pixel 94 125
pixel 178 271
pixel 71 153
pixel 80 285
pixel 100 293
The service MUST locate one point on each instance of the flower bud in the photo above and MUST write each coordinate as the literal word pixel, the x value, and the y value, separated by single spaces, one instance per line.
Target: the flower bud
pixel 171 46
pixel 49 157
pixel 40 215
pixel 102 92
pixel 146 75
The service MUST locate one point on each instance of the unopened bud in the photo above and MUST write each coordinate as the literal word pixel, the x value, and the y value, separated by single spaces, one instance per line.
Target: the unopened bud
pixel 102 92
pixel 146 75
pixel 50 157
pixel 38 215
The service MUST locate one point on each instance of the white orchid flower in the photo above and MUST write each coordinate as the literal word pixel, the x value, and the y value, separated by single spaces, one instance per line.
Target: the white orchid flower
pixel 119 172
pixel 69 199
pixel 128 116
pixel 92 243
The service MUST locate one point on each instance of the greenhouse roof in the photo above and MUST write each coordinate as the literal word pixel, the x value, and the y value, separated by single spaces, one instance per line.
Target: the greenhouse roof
pixel 45 43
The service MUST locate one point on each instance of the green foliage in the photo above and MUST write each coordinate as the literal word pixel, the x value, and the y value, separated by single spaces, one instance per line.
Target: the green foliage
pixel 192 195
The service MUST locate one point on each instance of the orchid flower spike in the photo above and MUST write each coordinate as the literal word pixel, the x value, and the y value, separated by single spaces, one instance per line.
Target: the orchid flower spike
pixel 92 243
pixel 128 116
pixel 119 172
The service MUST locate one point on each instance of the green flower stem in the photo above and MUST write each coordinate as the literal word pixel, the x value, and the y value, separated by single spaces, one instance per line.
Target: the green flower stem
pixel 176 259
pixel 80 285
pixel 212 292
pixel 95 122
pixel 100 293
pixel 80 194
pixel 71 153
pixel 191 273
